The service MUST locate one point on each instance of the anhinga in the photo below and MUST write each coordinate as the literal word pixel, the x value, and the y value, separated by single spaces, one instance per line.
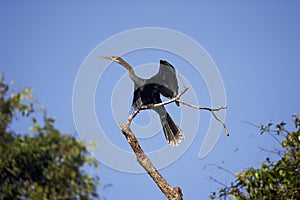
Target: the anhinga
pixel 147 91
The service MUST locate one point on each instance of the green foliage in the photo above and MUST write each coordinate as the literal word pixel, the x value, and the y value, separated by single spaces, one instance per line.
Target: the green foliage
pixel 43 165
pixel 275 179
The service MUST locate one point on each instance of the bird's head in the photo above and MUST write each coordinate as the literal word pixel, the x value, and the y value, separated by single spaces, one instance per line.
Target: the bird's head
pixel 118 60
pixel 113 58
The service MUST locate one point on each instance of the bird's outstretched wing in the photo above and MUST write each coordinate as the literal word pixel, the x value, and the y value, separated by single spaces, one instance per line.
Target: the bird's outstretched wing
pixel 166 78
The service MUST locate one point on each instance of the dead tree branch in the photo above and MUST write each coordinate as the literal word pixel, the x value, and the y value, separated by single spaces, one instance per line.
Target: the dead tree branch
pixel 144 161
pixel 176 99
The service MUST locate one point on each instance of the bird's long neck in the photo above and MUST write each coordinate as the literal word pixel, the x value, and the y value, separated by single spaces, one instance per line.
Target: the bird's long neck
pixel 137 80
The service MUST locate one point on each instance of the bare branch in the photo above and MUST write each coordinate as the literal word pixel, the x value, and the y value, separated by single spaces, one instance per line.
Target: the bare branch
pixel 143 107
pixel 223 123
pixel 174 99
pixel 202 108
pixel 212 112
pixel 220 168
pixel 217 181
pixel 144 161
pixel 181 80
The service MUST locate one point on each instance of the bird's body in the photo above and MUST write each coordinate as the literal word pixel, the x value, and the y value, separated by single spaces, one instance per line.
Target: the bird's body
pixel 148 91
pixel 164 82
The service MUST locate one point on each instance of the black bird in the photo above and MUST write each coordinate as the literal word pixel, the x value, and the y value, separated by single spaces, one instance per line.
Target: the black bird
pixel 147 91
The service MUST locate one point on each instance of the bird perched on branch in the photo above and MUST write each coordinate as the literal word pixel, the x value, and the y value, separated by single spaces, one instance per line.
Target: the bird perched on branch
pixel 148 91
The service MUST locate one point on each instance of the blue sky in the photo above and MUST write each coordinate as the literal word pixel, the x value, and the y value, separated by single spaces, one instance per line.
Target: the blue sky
pixel 255 45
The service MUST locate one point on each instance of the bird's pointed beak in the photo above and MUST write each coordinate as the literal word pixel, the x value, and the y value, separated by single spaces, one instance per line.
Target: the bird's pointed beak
pixel 105 57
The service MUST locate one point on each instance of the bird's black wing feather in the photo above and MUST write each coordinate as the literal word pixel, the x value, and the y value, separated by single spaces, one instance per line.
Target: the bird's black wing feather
pixel 166 78
pixel 136 101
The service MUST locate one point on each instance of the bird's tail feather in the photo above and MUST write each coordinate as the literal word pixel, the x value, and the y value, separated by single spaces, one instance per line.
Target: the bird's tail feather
pixel 173 133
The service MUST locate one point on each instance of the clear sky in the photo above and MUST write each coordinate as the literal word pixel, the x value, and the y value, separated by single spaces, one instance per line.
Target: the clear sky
pixel 255 45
